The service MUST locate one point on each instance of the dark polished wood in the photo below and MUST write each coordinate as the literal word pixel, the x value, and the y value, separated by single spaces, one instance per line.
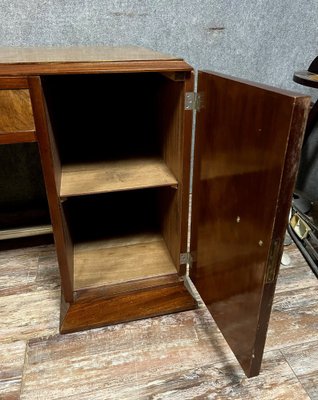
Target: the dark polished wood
pixel 247 150
pixel 18 137
pixel 16 118
pixel 119 242
pixel 50 166
pixel 175 127
pixel 9 82
pixel 93 68
pixel 292 159
pixel 96 311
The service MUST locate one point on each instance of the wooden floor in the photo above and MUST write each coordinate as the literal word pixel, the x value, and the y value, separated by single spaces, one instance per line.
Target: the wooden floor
pixel 181 356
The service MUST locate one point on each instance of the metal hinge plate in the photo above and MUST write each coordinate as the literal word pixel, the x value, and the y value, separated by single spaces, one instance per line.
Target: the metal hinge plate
pixel 273 261
pixel 193 101
pixel 186 258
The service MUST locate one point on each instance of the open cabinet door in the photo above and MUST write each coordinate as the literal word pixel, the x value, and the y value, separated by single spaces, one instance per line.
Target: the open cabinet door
pixel 248 141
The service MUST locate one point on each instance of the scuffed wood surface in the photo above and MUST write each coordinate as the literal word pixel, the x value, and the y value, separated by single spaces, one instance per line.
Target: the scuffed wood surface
pixel 11 367
pixel 101 263
pixel 110 176
pixel 180 356
pixel 48 60
pixel 78 54
pixel 303 359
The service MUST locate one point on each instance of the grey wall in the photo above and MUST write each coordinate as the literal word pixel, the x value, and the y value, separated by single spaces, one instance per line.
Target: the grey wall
pixel 262 40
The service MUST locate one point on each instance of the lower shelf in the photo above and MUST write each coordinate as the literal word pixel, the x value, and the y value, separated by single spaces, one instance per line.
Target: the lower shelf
pixel 25 232
pixel 93 311
pixel 110 262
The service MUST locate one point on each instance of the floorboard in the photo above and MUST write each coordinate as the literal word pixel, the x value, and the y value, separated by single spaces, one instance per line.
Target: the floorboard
pixel 178 356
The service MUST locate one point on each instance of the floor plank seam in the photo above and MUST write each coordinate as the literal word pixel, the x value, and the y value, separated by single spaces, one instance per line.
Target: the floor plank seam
pixel 293 345
pixel 25 363
pixel 123 356
pixel 294 373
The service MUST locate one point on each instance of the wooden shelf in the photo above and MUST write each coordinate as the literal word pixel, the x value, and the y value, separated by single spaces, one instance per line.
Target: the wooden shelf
pixel 109 262
pixel 25 232
pixel 109 176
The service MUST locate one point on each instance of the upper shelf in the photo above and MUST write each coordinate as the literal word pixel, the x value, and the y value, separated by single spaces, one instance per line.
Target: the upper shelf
pixel 109 176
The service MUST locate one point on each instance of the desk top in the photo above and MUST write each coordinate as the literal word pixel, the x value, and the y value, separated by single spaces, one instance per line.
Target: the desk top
pixel 306 78
pixel 43 60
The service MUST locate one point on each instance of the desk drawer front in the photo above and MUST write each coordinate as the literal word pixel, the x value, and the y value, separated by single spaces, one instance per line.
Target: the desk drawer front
pixel 16 117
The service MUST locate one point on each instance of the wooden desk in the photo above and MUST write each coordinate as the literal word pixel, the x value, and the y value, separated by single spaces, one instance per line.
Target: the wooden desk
pixel 114 128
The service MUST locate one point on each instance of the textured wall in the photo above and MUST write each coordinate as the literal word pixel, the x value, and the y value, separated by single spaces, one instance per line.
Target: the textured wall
pixel 263 40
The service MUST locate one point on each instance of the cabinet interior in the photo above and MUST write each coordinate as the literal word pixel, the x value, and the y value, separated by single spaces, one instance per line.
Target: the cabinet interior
pixel 117 145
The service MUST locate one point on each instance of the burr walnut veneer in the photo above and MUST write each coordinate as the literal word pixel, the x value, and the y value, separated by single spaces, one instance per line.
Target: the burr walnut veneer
pixel 114 128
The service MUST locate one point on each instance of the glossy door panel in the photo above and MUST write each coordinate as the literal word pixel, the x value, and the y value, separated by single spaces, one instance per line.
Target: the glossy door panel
pixel 247 149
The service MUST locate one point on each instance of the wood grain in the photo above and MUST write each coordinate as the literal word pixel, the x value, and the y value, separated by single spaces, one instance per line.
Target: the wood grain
pixel 176 146
pixel 294 318
pixel 108 176
pixel 110 262
pixel 23 55
pixel 17 137
pixel 176 356
pixel 36 61
pixel 11 368
pixel 98 311
pixel 9 82
pixel 16 116
pixel 303 359
pixel 18 271
pixel 239 125
pixel 51 172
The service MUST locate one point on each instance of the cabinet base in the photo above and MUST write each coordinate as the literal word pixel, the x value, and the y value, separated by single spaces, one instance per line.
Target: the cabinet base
pixel 93 311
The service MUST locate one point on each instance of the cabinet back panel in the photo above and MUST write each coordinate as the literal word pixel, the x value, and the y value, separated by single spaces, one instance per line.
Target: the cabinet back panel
pixel 111 215
pixel 170 123
pixel 105 116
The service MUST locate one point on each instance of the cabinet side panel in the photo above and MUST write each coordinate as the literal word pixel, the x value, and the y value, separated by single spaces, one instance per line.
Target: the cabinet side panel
pixel 52 171
pixel 186 168
pixel 175 130
pixel 170 123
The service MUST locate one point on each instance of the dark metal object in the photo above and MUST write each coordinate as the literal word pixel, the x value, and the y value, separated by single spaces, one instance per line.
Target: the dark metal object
pixel 308 245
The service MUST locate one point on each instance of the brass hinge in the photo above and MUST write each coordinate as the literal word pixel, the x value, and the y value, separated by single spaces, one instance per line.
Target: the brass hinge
pixel 186 258
pixel 193 101
pixel 273 261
